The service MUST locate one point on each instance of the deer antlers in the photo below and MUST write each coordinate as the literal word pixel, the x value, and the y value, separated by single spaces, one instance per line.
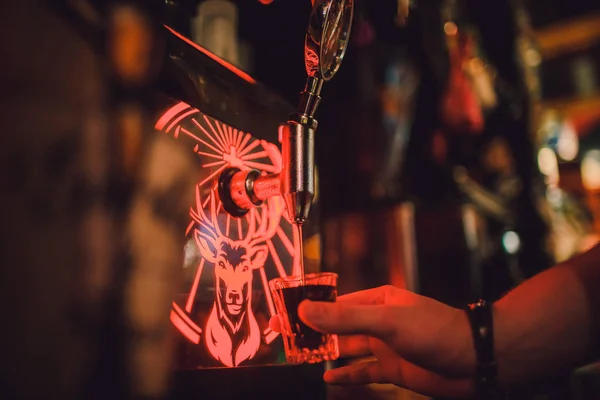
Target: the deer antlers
pixel 268 221
pixel 262 225
pixel 211 230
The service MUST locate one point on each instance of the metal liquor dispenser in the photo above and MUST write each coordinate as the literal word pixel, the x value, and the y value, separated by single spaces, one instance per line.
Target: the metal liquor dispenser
pixel 249 195
pixel 324 49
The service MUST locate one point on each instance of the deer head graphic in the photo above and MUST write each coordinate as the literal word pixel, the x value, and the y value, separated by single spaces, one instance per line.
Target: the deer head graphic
pixel 232 333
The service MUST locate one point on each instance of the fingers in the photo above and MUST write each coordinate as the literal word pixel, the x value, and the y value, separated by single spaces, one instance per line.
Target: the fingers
pixel 347 319
pixel 350 346
pixel 369 296
pixel 364 297
pixel 420 380
pixel 355 346
pixel 400 373
pixel 356 374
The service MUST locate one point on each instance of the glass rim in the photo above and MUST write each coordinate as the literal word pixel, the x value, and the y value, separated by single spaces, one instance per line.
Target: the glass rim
pixel 298 278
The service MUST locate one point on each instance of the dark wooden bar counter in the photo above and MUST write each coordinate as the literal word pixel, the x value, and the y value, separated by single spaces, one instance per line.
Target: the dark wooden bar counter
pixel 303 382
pixel 260 383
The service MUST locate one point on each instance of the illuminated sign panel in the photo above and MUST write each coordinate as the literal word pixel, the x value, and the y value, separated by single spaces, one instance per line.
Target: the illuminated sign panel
pixel 224 305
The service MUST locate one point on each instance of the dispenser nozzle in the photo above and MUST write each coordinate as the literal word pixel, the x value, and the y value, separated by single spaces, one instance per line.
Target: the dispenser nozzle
pixel 298 174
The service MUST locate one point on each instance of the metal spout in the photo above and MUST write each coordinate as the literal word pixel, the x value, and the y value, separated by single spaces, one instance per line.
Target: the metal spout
pixel 298 175
pixel 310 97
pixel 242 190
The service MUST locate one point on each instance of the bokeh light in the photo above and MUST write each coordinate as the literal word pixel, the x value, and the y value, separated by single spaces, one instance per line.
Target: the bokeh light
pixel 511 242
pixel 568 142
pixel 548 163
pixel 590 170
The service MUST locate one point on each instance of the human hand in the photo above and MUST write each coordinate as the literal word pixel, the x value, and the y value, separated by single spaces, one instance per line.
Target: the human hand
pixel 419 343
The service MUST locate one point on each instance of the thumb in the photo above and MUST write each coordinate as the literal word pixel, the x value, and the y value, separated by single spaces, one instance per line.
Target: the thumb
pixel 347 318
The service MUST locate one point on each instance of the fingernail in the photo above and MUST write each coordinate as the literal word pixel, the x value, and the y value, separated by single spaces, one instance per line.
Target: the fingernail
pixel 329 377
pixel 311 309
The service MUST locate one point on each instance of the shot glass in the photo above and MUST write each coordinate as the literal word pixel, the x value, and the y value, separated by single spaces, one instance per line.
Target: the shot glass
pixel 303 344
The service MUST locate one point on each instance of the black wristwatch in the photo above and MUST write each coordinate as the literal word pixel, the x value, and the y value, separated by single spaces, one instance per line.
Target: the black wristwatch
pixel 486 376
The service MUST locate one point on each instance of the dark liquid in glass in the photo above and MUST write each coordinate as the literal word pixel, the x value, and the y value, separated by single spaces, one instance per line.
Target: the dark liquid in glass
pixel 306 337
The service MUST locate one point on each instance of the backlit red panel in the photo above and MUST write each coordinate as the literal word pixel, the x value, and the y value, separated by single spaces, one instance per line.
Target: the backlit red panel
pixel 224 306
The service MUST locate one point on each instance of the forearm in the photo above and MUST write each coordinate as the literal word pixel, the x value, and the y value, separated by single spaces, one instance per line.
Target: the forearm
pixel 547 324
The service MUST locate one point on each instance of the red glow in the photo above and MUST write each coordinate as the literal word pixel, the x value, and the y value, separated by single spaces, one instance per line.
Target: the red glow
pixel 232 333
pixel 233 250
pixel 169 115
pixel 224 63
pixel 461 109
pixel 186 326
pixel 270 335
pixel 192 296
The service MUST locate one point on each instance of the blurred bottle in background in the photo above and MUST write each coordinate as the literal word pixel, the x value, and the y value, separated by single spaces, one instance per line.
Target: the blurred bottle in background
pixel 215 27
